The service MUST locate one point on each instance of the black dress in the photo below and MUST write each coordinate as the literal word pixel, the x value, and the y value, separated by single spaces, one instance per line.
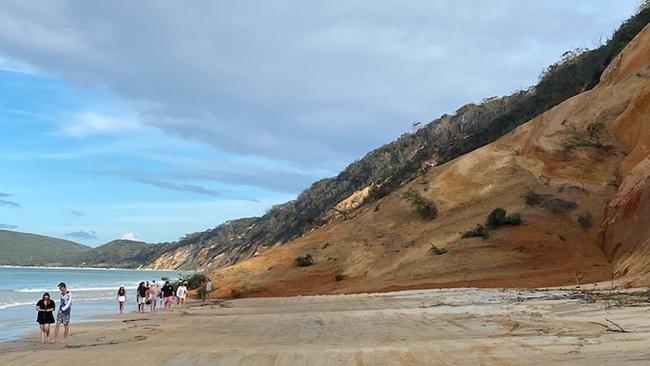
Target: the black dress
pixel 45 317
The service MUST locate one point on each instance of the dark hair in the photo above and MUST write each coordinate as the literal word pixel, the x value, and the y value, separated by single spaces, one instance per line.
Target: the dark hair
pixel 48 296
pixel 62 284
pixel 121 291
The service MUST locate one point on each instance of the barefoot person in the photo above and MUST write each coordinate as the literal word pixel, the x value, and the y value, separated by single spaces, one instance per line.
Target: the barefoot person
pixel 207 288
pixel 141 294
pixel 45 307
pixel 181 293
pixel 63 315
pixel 121 298
pixel 153 295
pixel 167 292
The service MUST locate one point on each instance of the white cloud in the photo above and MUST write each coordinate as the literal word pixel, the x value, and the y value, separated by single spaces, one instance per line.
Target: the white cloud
pixel 131 236
pixel 89 123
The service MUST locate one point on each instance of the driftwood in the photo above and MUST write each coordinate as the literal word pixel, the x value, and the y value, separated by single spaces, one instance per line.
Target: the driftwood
pixel 617 329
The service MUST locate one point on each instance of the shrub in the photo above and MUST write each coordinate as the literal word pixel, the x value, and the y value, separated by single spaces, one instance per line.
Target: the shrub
pixel 499 217
pixel 338 277
pixel 304 261
pixel 478 231
pixel 592 136
pixel 560 206
pixel 425 207
pixel 585 220
pixel 235 293
pixel 195 280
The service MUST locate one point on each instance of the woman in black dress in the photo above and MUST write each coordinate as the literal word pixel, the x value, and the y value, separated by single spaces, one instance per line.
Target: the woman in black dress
pixel 45 307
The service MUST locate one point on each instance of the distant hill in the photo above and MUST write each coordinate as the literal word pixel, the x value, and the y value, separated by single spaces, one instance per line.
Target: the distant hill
pixel 117 253
pixel 22 249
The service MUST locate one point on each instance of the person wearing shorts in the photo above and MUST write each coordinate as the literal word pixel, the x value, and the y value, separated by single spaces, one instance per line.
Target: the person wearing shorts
pixel 63 315
pixel 141 294
pixel 167 292
pixel 181 293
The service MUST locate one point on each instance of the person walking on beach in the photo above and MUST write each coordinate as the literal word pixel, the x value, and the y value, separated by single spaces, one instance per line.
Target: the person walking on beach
pixel 121 298
pixel 63 315
pixel 45 306
pixel 153 295
pixel 167 295
pixel 207 288
pixel 141 294
pixel 181 293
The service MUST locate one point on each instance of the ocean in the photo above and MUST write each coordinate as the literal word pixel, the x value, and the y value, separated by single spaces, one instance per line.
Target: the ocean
pixel 93 293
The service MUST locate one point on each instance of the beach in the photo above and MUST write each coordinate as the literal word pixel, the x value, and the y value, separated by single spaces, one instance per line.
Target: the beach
pixel 93 291
pixel 465 326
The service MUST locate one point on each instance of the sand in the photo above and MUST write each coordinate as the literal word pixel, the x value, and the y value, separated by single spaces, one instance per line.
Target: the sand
pixel 420 327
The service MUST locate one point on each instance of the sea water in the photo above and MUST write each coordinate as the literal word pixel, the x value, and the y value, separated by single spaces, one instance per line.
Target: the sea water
pixel 94 293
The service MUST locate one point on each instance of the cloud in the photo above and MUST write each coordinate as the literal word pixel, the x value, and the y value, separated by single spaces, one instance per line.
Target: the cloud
pixel 131 236
pixel 8 203
pixel 309 82
pixel 77 213
pixel 148 179
pixel 82 235
pixel 90 123
pixel 7 226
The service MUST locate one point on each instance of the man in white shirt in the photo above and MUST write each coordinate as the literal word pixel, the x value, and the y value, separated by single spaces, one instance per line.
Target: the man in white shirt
pixel 181 293
pixel 63 315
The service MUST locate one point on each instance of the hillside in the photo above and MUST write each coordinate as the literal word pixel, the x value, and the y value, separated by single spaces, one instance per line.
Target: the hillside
pixel 35 250
pixel 116 254
pixel 578 174
pixel 389 167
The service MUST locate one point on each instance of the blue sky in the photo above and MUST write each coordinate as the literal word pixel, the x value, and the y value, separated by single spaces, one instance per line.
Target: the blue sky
pixel 152 120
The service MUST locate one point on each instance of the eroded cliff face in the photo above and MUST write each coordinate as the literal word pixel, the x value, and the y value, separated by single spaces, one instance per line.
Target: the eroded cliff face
pixel 625 232
pixel 579 174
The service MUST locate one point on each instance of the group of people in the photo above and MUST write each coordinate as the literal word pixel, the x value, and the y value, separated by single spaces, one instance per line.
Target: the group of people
pixel 147 293
pixel 45 318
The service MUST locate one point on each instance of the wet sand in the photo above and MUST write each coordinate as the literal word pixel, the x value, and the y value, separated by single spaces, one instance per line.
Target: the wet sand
pixel 419 327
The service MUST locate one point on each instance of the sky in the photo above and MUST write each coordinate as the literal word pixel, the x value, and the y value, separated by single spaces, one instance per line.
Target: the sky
pixel 150 120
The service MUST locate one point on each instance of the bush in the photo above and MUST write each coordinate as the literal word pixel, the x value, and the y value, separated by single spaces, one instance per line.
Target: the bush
pixel 425 207
pixel 478 231
pixel 338 277
pixel 304 261
pixel 235 293
pixel 499 217
pixel 592 136
pixel 195 280
pixel 585 221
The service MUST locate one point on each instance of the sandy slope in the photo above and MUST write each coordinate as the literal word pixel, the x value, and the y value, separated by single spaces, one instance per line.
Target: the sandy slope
pixel 384 245
pixel 424 327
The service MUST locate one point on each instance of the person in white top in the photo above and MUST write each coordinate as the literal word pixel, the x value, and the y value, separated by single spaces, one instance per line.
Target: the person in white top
pixel 181 294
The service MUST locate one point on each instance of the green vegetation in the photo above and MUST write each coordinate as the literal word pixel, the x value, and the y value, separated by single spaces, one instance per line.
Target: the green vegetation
pixel 585 220
pixel 547 201
pixel 21 249
pixel 480 231
pixel 425 207
pixel 304 261
pixel 592 136
pixel 498 217
pixel 448 137
pixel 195 280
pixel 117 253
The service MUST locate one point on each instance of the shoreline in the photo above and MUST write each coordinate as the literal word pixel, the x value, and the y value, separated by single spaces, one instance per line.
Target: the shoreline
pixel 465 326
